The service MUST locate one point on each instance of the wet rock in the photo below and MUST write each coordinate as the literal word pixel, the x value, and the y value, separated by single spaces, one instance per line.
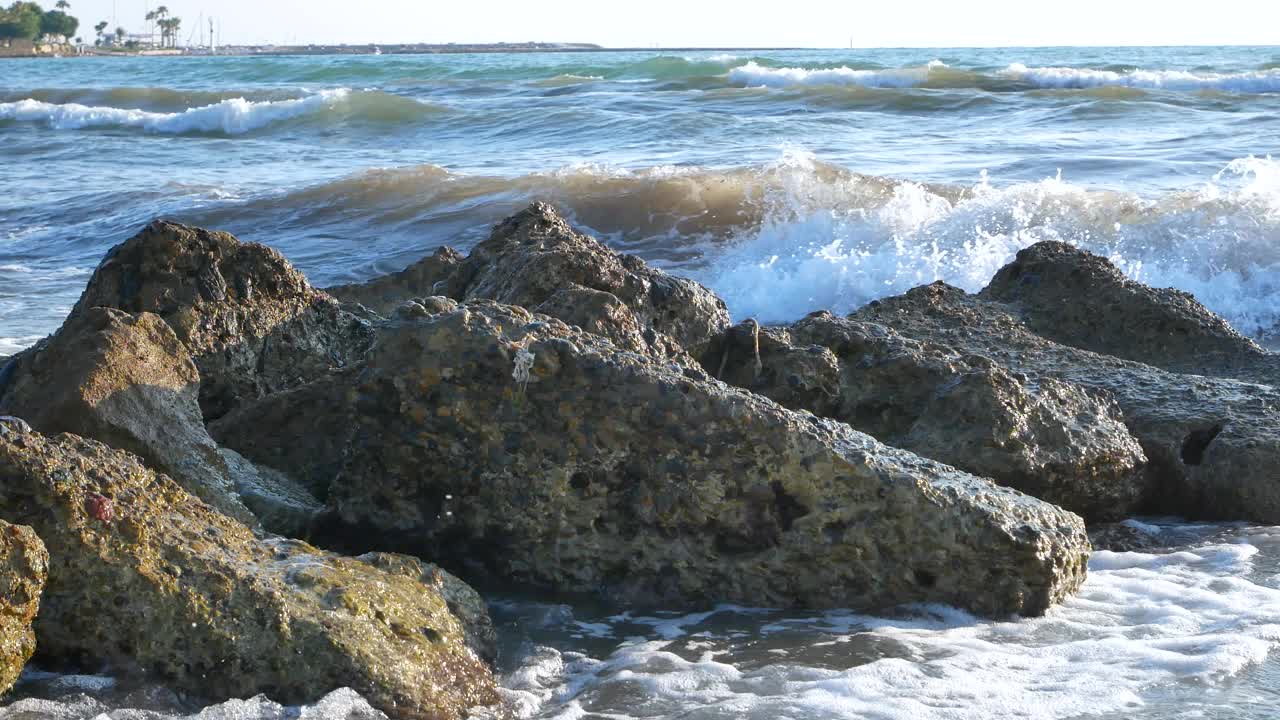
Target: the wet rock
pixel 251 321
pixel 383 294
pixel 531 453
pixel 167 587
pixel 282 505
pixel 1076 298
pixel 534 255
pixel 24 566
pixel 127 381
pixel 464 602
pixel 1049 439
pixel 1126 537
pixel 1212 443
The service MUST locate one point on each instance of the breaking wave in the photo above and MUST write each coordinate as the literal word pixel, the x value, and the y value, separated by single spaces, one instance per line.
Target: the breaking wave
pixel 1265 81
pixel 783 239
pixel 233 116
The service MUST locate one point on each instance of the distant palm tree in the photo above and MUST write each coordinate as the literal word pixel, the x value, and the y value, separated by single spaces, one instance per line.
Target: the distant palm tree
pixel 120 33
pixel 63 5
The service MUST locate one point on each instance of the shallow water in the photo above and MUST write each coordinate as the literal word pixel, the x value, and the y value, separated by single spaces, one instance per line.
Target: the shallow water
pixel 1186 631
pixel 788 182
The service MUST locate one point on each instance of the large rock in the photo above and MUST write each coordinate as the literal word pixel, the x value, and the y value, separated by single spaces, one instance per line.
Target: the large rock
pixel 24 565
pixel 145 577
pixel 534 255
pixel 1076 298
pixel 127 381
pixel 384 294
pixel 280 504
pixel 250 320
pixel 532 453
pixel 1050 439
pixel 1212 443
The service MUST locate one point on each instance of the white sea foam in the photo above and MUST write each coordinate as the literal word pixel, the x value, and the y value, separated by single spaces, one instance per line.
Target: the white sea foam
pixel 1146 628
pixel 1262 81
pixel 837 245
pixel 753 74
pixel 233 116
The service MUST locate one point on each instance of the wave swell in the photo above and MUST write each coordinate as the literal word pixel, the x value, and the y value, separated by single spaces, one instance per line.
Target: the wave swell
pixel 233 116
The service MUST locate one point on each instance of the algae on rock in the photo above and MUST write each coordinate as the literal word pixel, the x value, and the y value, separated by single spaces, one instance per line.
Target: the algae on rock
pixel 24 567
pixel 145 576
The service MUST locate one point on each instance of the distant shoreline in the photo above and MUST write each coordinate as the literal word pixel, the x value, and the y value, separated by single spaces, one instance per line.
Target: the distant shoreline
pixel 400 49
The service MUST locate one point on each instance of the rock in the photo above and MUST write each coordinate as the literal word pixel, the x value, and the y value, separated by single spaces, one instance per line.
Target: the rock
pixel 1049 439
pixel 533 255
pixel 1076 298
pixel 1212 443
pixel 383 294
pixel 127 381
pixel 1125 537
pixel 282 505
pixel 251 322
pixel 160 584
pixel 520 450
pixel 464 602
pixel 24 565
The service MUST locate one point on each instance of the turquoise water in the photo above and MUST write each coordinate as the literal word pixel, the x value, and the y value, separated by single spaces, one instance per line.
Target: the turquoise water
pixel 788 182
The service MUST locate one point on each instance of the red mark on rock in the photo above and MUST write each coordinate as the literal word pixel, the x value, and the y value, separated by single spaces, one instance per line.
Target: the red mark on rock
pixel 99 508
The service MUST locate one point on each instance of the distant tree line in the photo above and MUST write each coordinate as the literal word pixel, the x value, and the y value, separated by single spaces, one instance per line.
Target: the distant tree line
pixel 29 21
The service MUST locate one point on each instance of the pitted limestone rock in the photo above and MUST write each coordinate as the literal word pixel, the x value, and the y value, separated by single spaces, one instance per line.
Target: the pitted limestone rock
pixel 251 321
pixel 144 576
pixel 1050 439
pixel 1212 443
pixel 602 469
pixel 24 567
pixel 127 381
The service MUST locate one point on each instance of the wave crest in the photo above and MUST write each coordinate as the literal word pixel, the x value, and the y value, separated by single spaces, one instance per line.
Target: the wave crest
pixel 234 116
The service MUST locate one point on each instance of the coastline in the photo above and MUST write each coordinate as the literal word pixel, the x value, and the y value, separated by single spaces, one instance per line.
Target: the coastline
pixel 375 49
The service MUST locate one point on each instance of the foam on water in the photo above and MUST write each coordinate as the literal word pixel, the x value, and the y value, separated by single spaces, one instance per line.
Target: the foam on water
pixel 1264 81
pixel 233 117
pixel 1145 629
pixel 753 74
pixel 834 245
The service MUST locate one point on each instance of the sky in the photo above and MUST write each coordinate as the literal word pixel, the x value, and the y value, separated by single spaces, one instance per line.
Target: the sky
pixel 717 23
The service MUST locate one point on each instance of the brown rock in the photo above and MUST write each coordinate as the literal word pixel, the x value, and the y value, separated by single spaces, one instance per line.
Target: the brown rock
pixel 251 322
pixel 524 451
pixel 1076 298
pixel 169 588
pixel 1049 439
pixel 127 381
pixel 383 294
pixel 24 566
pixel 1212 443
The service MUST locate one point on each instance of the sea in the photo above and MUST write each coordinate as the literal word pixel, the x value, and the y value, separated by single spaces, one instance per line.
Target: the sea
pixel 787 181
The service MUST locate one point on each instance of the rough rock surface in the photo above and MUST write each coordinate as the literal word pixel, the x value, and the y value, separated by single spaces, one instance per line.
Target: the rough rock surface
pixel 534 453
pixel 1212 443
pixel 250 320
pixel 144 576
pixel 1049 439
pixel 24 565
pixel 282 506
pixel 384 294
pixel 127 381
pixel 1076 298
pixel 533 255
pixel 464 602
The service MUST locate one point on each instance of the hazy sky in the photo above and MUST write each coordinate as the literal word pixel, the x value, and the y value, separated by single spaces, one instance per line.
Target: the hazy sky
pixel 706 23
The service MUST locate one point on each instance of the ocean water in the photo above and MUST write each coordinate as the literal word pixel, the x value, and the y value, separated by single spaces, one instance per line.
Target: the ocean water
pixel 786 181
